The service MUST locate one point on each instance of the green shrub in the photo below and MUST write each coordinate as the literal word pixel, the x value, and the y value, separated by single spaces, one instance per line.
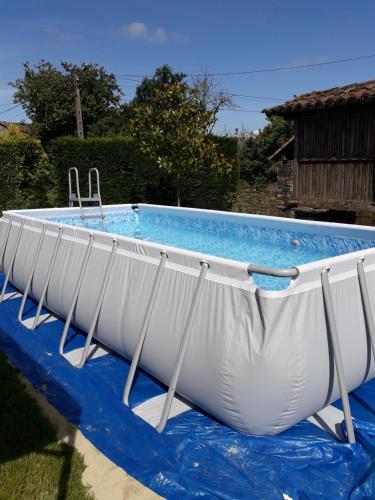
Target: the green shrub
pixel 24 173
pixel 209 188
pixel 128 176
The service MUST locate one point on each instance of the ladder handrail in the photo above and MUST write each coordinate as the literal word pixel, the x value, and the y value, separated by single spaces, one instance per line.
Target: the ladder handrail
pixel 91 198
pixel 182 350
pixel 144 327
pixel 78 194
pixel 332 330
pixel 97 182
pixel 99 198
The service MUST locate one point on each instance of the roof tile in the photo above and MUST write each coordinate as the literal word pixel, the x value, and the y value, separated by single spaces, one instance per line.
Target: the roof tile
pixel 336 96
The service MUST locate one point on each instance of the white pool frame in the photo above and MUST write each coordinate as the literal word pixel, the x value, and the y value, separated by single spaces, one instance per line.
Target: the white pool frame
pixel 258 360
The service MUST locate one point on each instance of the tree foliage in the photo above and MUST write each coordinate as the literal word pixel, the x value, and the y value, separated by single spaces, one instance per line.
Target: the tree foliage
pixel 149 87
pixel 256 149
pixel 24 172
pixel 114 123
pixel 171 127
pixel 47 95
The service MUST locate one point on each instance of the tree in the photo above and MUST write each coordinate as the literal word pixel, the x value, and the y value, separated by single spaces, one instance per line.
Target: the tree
pixel 147 89
pixel 213 98
pixel 47 95
pixel 257 148
pixel 114 123
pixel 171 127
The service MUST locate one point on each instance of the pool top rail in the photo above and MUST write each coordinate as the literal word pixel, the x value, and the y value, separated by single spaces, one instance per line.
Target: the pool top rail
pixel 292 272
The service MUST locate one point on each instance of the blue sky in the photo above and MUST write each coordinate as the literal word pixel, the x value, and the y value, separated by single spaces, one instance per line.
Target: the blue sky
pixel 134 37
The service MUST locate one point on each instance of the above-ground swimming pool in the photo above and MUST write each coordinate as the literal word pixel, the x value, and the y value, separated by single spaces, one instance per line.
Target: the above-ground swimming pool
pixel 266 317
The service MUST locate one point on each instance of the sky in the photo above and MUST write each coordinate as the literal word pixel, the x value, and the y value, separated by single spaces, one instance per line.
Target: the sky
pixel 215 36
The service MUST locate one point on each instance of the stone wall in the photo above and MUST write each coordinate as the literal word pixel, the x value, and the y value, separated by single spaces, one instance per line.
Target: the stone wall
pixel 271 199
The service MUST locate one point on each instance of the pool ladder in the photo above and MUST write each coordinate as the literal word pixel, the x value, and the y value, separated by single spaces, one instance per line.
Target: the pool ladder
pixel 75 197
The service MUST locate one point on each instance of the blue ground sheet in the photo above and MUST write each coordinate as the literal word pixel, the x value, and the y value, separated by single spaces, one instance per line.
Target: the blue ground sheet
pixel 195 456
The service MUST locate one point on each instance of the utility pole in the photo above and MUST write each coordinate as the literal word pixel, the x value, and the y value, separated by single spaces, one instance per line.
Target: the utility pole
pixel 77 99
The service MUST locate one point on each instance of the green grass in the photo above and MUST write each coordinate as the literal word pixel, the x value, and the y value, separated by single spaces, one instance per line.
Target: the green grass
pixel 33 465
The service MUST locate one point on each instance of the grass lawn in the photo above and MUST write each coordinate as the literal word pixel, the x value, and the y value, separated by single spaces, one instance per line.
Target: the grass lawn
pixel 33 465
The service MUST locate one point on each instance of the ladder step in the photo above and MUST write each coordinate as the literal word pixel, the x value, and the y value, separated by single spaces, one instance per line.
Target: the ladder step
pixel 93 199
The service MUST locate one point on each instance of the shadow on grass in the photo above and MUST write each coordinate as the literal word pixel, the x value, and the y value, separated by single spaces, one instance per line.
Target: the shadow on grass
pixel 32 463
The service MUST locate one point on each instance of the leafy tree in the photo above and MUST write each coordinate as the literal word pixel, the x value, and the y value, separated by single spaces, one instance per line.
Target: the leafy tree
pixel 147 89
pixel 171 126
pixel 47 95
pixel 256 149
pixel 114 123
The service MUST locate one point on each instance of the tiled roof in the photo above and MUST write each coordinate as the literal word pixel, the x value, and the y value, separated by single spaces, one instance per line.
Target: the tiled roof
pixel 338 96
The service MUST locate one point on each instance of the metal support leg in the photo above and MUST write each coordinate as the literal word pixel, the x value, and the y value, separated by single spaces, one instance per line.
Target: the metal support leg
pixel 7 276
pixel 103 289
pixel 48 277
pixel 5 242
pixel 33 266
pixel 181 353
pixel 144 327
pixel 366 303
pixel 76 293
pixel 337 354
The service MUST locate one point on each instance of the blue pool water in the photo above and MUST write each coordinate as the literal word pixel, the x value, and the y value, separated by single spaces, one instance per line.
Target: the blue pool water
pixel 238 241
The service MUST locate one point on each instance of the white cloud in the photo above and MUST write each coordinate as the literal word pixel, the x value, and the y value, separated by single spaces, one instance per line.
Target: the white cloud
pixel 161 34
pixel 62 36
pixel 141 31
pixel 136 30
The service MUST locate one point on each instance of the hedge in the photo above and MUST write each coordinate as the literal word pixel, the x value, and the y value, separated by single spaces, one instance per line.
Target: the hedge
pixel 209 189
pixel 24 173
pixel 128 176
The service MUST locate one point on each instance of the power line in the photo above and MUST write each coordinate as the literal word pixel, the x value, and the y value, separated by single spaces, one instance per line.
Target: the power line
pixel 295 66
pixel 269 70
pixel 9 109
pixel 242 110
pixel 257 97
pixel 122 77
pixel 13 117
pixel 231 94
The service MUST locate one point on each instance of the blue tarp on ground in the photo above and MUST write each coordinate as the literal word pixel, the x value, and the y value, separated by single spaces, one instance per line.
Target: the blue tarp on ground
pixel 196 456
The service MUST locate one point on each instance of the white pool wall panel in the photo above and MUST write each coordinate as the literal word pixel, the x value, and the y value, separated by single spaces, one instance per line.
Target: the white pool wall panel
pixel 258 360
